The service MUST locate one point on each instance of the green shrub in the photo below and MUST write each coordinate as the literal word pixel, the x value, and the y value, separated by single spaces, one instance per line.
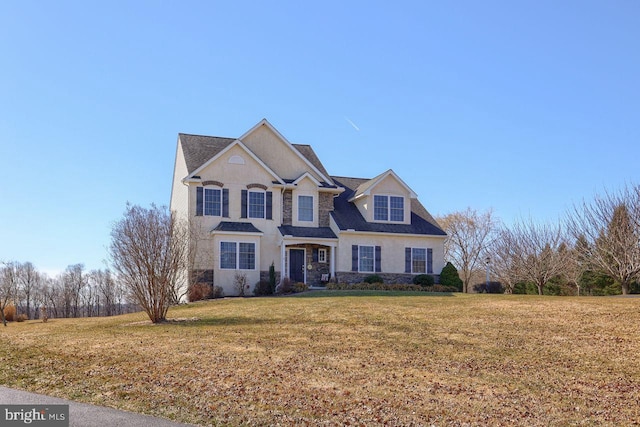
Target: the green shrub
pixel 373 278
pixel 450 277
pixel 272 278
pixel 423 280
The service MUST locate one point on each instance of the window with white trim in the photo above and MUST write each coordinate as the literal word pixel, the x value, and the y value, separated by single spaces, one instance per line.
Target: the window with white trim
pixel 366 259
pixel 240 256
pixel 305 208
pixel 213 202
pixel 256 204
pixel 322 255
pixel 418 260
pixel 388 208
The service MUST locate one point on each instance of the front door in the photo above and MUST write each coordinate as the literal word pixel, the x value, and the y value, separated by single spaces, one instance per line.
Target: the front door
pixel 296 265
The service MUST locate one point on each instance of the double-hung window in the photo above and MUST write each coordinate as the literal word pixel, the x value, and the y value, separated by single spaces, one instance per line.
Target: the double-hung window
pixel 247 256
pixel 256 204
pixel 212 202
pixel 388 208
pixel 228 255
pixel 366 259
pixel 305 208
pixel 241 256
pixel 418 260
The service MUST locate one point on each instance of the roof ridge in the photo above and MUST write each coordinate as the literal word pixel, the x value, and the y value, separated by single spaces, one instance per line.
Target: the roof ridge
pixel 206 136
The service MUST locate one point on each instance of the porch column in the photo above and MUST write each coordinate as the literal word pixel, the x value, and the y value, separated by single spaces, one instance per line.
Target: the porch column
pixel 283 251
pixel 332 263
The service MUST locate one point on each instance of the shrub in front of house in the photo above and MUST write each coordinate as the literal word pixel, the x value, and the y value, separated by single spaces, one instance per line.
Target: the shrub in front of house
pixel 373 278
pixel 423 280
pixel 199 292
pixel 300 287
pixel 450 277
pixel 285 286
pixel 218 292
pixel 262 288
pixel 373 287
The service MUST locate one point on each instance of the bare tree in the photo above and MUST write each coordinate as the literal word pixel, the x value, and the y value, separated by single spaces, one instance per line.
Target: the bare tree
pixel 611 227
pixel 28 281
pixel 106 291
pixel 537 258
pixel 149 253
pixel 575 262
pixel 8 286
pixel 469 234
pixel 74 282
pixel 504 259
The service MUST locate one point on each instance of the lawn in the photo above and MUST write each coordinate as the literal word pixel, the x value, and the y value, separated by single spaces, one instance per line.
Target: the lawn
pixel 347 359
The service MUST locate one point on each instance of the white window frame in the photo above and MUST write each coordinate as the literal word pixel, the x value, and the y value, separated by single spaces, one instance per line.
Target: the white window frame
pixel 389 209
pixel 425 261
pixel 204 200
pixel 264 203
pixel 300 210
pixel 237 255
pixel 322 255
pixel 373 259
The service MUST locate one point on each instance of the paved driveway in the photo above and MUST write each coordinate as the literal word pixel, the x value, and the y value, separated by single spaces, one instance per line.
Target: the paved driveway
pixel 83 414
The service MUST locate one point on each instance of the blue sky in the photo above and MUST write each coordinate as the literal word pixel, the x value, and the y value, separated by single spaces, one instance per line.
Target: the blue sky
pixel 525 107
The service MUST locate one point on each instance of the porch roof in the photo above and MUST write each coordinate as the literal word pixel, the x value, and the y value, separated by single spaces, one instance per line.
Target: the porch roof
pixel 236 227
pixel 307 232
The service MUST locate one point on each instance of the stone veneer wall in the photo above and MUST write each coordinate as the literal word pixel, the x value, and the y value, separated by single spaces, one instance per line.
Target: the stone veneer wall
pixel 350 277
pixel 287 207
pixel 325 206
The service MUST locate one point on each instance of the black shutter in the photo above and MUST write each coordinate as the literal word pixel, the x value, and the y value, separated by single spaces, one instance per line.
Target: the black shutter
pixel 407 260
pixel 225 202
pixel 243 205
pixel 315 255
pixel 378 262
pixel 429 260
pixel 354 257
pixel 199 200
pixel 269 205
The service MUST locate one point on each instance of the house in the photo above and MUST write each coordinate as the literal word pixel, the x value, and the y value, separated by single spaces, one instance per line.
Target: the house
pixel 259 200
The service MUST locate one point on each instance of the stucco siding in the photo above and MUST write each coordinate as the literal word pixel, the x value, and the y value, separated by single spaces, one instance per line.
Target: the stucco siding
pixel 277 154
pixel 392 250
pixel 179 202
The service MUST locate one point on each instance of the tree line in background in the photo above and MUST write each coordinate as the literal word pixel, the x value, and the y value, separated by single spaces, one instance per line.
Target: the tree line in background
pixel 26 293
pixel 594 250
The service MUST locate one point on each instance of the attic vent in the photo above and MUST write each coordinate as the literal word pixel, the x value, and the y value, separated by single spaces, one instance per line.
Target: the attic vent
pixel 236 160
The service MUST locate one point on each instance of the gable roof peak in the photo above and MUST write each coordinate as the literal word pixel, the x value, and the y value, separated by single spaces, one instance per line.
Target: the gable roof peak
pixel 364 189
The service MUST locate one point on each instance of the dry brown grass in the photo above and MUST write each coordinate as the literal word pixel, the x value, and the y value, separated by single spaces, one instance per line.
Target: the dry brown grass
pixel 363 360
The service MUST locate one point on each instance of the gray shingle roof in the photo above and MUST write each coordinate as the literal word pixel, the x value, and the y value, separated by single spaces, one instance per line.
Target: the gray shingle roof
pixel 308 232
pixel 199 149
pixel 236 227
pixel 348 217
pixel 311 156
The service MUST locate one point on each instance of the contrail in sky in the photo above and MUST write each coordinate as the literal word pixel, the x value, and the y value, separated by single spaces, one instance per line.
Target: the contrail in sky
pixel 352 124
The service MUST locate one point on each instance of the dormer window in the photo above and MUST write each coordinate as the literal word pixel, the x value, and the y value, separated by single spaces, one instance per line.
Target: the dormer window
pixel 388 208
